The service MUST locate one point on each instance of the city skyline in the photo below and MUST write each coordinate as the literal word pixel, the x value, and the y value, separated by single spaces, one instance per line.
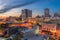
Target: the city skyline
pixel 37 7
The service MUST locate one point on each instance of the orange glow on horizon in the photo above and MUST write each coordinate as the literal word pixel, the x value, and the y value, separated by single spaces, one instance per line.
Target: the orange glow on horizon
pixel 3 17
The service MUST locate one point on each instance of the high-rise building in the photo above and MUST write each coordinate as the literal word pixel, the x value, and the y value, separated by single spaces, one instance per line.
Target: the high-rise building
pixel 46 12
pixel 26 13
pixel 56 15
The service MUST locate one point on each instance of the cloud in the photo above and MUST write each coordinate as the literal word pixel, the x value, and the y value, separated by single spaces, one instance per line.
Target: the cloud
pixel 10 4
pixel 13 12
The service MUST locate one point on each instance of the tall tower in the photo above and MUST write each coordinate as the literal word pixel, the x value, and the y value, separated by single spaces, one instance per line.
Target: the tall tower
pixel 27 13
pixel 46 12
pixel 56 15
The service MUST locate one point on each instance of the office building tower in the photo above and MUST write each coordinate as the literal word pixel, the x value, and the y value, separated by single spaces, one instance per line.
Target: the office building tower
pixel 46 12
pixel 26 13
pixel 56 15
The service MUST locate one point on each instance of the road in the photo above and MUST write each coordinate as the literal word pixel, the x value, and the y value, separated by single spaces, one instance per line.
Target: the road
pixel 35 38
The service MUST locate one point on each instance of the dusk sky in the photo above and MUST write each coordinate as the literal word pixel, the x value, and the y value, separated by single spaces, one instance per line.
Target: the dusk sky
pixel 14 7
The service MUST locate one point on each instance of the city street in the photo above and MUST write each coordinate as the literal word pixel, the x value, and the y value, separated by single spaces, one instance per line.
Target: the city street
pixel 35 38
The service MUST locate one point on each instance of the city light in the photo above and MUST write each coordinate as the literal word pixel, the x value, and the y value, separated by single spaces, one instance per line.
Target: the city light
pixel 29 20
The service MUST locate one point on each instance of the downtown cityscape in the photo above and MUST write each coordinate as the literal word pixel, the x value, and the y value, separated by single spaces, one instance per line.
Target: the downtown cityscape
pixel 27 25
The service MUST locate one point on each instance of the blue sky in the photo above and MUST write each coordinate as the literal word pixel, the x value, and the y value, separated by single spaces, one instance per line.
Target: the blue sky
pixel 15 6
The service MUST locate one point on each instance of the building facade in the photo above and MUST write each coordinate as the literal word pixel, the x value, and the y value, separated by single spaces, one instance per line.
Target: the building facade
pixel 46 12
pixel 26 13
pixel 56 15
pixel 49 27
